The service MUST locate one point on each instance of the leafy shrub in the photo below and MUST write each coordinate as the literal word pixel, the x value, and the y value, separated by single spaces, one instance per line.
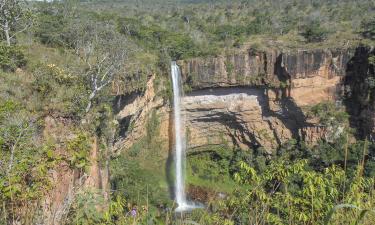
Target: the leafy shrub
pixel 25 164
pixel 85 208
pixel 314 32
pixel 11 57
pixel 368 28
pixel 290 192
pixel 260 25
pixel 79 149
pixel 51 27
pixel 59 90
pixel 225 32
pixel 129 179
pixel 335 122
pixel 152 36
pixel 329 114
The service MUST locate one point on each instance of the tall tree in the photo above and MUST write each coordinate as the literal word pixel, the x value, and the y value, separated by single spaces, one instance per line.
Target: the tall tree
pixel 14 18
pixel 104 53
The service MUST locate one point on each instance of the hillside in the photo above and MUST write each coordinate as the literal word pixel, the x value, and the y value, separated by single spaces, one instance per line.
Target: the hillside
pixel 277 110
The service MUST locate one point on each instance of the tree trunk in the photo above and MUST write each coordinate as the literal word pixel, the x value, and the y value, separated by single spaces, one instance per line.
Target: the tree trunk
pixel 91 97
pixel 6 31
pixel 88 107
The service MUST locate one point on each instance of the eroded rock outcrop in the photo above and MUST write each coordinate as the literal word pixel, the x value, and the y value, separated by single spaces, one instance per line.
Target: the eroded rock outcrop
pixel 136 113
pixel 269 108
pixel 236 116
pixel 305 73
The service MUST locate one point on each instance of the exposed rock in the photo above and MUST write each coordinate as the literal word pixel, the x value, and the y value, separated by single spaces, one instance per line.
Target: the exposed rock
pixel 302 74
pixel 269 108
pixel 236 116
pixel 137 112
pixel 65 180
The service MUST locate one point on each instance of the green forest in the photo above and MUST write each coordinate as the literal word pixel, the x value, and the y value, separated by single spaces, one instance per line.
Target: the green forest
pixel 70 68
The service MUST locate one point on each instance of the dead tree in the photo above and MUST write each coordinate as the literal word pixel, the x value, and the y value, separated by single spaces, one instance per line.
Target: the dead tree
pixel 104 54
pixel 14 18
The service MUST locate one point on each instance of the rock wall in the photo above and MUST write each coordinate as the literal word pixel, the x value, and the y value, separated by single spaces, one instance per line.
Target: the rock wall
pixel 235 116
pixel 359 92
pixel 300 73
pixel 251 98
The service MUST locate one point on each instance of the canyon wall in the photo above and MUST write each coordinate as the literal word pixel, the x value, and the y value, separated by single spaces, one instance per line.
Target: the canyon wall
pixel 256 98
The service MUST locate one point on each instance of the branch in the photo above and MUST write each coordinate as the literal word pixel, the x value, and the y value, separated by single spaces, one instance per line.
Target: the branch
pixel 20 31
pixel 13 149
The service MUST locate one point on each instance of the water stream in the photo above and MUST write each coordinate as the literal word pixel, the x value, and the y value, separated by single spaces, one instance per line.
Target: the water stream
pixel 179 139
pixel 180 144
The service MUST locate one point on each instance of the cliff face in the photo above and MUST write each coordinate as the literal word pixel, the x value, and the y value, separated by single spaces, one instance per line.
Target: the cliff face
pixel 299 73
pixel 252 98
pixel 236 116
pixel 359 91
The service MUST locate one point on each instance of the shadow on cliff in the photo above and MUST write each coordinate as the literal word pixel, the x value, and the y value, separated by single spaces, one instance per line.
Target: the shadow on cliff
pixel 359 97
pixel 169 162
pixel 232 123
pixel 289 114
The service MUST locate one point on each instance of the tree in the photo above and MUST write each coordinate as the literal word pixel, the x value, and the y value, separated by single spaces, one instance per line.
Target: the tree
pixel 368 28
pixel 314 32
pixel 14 18
pixel 103 51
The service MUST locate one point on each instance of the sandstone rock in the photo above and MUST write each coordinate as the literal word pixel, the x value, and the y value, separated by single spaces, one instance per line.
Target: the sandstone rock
pixel 138 112
pixel 235 116
pixel 269 108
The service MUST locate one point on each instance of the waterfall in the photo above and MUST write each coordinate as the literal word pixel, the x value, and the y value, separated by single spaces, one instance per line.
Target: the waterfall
pixel 180 145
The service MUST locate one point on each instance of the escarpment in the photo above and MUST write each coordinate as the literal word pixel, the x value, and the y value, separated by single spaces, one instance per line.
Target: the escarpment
pixel 297 74
pixel 260 98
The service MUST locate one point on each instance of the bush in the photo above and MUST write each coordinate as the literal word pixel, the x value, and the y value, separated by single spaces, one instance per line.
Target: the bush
pixel 154 37
pixel 11 58
pixel 59 90
pixel 79 149
pixel 50 27
pixel 313 32
pixel 368 28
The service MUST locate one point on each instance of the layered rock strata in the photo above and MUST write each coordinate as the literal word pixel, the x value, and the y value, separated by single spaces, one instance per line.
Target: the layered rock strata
pixel 258 98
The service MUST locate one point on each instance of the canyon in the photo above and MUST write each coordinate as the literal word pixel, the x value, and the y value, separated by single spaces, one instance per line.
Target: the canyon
pixel 251 98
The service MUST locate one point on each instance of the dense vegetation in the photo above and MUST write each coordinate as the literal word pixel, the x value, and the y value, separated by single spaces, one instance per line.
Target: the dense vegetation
pixel 62 63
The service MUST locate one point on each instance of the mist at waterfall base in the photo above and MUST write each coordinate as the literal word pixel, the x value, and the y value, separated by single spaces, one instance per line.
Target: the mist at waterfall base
pixel 180 144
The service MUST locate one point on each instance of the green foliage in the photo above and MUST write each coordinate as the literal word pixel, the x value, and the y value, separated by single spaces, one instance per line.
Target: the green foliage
pixel 156 38
pixel 261 24
pixel 368 28
pixel 350 206
pixel 290 192
pixel 371 60
pixel 25 163
pixel 85 209
pixel 135 183
pixel 11 57
pixel 16 17
pixel 225 32
pixel 59 90
pixel 314 32
pixel 211 165
pixel 50 28
pixel 329 114
pixel 79 149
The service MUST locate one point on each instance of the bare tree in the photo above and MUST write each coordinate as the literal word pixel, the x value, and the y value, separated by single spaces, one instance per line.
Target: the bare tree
pixel 14 18
pixel 103 52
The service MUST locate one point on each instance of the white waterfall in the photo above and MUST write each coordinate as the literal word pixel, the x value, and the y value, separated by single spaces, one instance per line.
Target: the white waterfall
pixel 180 145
